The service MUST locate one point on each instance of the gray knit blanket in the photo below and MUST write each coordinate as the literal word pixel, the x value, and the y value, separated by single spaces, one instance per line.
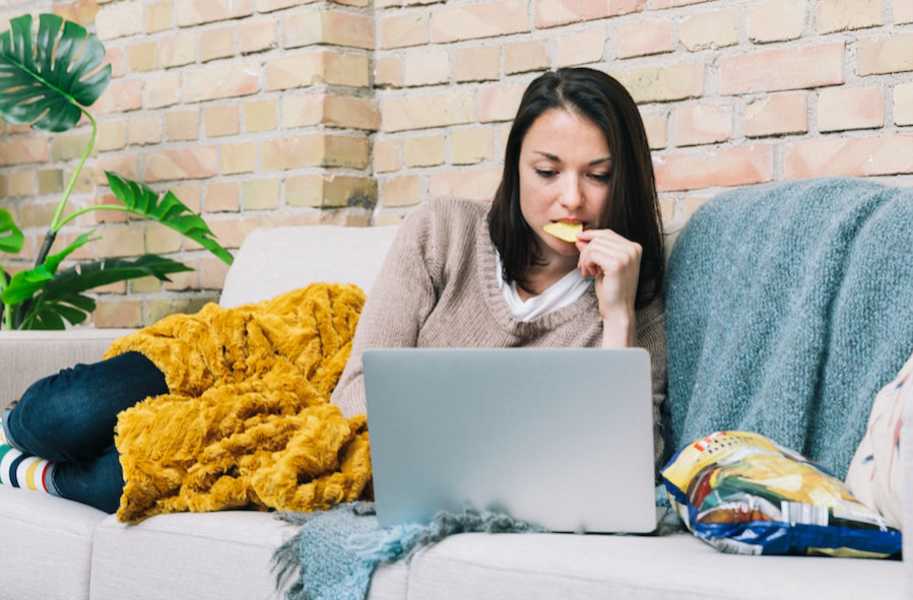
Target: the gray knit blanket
pixel 788 306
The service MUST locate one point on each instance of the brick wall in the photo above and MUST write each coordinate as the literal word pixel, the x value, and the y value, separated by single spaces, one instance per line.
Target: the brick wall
pixel 273 112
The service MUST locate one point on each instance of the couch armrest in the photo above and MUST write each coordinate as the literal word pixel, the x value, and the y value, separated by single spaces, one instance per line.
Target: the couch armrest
pixel 907 494
pixel 26 356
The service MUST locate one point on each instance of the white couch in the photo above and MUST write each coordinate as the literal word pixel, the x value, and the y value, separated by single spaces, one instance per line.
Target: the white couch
pixel 55 549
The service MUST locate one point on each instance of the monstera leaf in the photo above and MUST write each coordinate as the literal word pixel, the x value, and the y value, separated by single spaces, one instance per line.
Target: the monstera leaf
pixel 11 237
pixel 62 299
pixel 46 76
pixel 167 210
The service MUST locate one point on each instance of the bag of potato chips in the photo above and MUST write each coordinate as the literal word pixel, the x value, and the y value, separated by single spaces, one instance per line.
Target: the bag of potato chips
pixel 742 493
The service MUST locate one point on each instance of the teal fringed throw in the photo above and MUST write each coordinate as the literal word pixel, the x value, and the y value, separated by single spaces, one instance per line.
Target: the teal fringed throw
pixel 334 553
pixel 787 308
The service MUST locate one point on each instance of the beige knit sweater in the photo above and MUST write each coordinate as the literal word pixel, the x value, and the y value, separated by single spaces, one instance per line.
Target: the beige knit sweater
pixel 438 287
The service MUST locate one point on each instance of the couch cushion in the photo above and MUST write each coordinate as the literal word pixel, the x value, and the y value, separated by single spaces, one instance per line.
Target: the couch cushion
pixel 273 261
pixel 679 567
pixel 222 555
pixel 46 546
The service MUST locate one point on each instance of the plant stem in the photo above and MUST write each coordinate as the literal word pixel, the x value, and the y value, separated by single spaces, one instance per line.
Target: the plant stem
pixel 89 209
pixel 6 311
pixel 55 222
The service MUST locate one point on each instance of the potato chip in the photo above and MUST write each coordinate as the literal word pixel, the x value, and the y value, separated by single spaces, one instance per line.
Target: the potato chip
pixel 566 232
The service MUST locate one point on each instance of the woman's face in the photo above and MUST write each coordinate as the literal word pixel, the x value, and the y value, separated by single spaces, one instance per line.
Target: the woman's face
pixel 564 176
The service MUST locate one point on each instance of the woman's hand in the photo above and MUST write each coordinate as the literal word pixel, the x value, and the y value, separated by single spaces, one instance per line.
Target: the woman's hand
pixel 615 263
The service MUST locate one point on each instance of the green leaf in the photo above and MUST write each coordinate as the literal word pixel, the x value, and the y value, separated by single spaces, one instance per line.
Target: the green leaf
pixel 168 211
pixel 46 76
pixel 24 284
pixel 62 299
pixel 11 238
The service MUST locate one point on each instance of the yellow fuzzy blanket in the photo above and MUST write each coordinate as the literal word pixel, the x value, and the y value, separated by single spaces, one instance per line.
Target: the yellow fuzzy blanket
pixel 247 421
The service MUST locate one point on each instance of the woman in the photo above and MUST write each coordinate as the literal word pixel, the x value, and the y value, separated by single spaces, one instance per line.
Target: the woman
pixel 458 274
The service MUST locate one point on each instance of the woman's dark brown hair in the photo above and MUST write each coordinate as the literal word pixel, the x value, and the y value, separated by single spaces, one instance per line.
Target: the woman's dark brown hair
pixel 632 210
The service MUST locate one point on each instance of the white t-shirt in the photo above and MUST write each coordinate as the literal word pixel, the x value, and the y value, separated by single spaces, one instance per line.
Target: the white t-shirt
pixel 563 292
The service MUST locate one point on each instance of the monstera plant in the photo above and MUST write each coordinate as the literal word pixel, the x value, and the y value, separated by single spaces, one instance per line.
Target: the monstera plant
pixel 48 78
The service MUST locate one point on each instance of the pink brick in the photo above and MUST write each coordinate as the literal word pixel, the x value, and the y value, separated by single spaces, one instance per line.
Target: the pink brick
pixel 701 124
pixel 782 69
pixel 777 114
pixel 551 13
pixel 741 165
pixel 662 4
pixel 117 57
pixel 401 30
pixel 499 101
pixel 189 163
pixel 221 81
pixel 122 95
pixel 644 37
pixel 581 47
pixel 903 12
pixel 856 157
pixel 257 35
pixel 850 108
pixel 844 15
pixel 23 150
pixel 163 90
pixel 776 21
pixel 493 18
pixel 903 104
pixel 656 126
pixel 886 55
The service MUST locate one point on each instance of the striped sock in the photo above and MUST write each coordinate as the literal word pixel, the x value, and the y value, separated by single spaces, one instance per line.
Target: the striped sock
pixel 24 471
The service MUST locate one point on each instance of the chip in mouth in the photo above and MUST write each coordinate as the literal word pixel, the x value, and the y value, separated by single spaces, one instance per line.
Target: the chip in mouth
pixel 564 231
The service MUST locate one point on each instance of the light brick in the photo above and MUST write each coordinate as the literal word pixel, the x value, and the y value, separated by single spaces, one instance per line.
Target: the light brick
pixel 196 12
pixel 346 69
pixel 850 108
pixel 221 81
pixel 499 101
pixel 493 18
pixel 122 95
pixel 161 239
pixel 212 273
pixel 222 120
pixel 903 12
pixel 401 191
pixel 315 150
pixel 551 13
pixel 656 127
pixel 216 43
pixel 903 104
pixel 426 151
pixel 885 55
pixel 21 183
pixel 523 57
pixel 223 196
pixel 845 15
pixel 644 37
pixel 145 129
pixel 260 194
pixel 697 124
pixel 81 11
pixel 115 314
pixel 659 84
pixel 346 151
pixel 159 16
pixel 24 150
pixel 33 214
pixel 117 57
pixel 271 5
pixel 478 63
pixel 232 232
pixel 741 165
pixel 317 67
pixel 188 163
pixel 190 193
pixel 258 35
pixel 321 191
pixel 112 135
pixel 68 146
pixel 776 114
pixel 329 27
pixel 718 29
pixel 426 66
pixel 351 112
pixel 401 30
pixel 473 183
pixel 239 158
pixel 50 181
pixel 142 56
pixel 119 20
pixel 581 47
pixel 776 21
pixel 470 145
pixel 178 49
pixel 849 157
pixel 782 69
pixel 302 111
pixel 156 310
pixel 386 156
pixel 663 4
pixel 388 72
pixel 182 125
pixel 260 115
pixel 163 90
pixel 415 111
pixel 120 241
pixel 123 163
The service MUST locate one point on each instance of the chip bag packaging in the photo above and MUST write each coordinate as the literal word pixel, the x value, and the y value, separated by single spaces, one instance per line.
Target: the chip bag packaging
pixel 742 493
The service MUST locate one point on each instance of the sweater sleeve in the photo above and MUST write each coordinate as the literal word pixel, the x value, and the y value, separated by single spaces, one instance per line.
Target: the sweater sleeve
pixel 398 304
pixel 651 334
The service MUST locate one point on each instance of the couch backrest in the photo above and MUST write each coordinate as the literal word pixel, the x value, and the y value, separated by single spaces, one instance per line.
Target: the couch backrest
pixel 272 261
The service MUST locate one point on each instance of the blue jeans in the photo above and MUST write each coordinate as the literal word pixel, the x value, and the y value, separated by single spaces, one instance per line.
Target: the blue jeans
pixel 69 418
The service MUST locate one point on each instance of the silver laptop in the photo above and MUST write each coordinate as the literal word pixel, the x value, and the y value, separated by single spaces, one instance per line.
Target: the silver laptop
pixel 556 436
